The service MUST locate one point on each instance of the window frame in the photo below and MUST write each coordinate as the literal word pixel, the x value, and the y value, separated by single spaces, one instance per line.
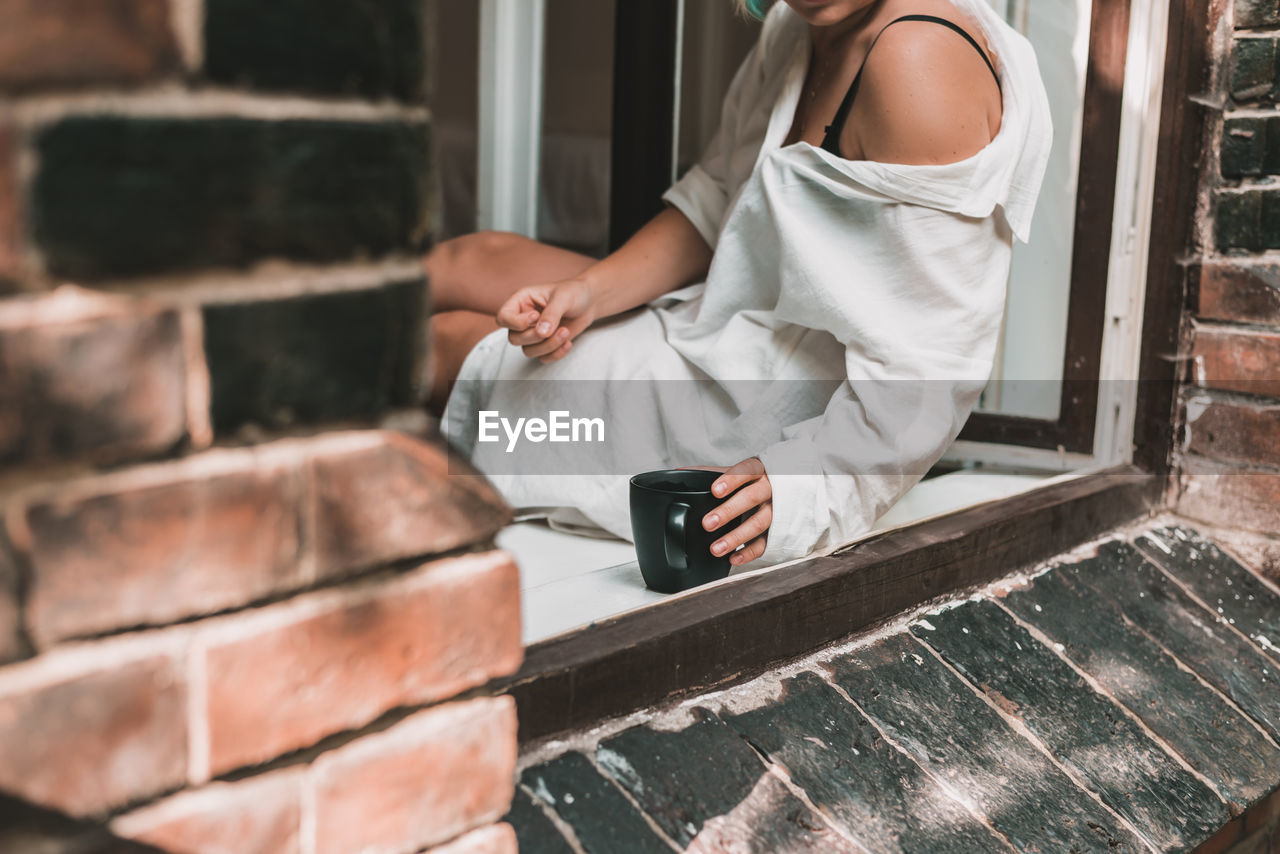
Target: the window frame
pixel 729 631
pixel 645 99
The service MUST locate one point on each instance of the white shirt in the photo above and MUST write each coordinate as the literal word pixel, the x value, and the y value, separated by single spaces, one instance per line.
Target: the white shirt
pixel 845 329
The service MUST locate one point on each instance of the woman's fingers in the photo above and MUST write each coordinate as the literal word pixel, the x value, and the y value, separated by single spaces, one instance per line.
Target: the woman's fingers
pixel 750 552
pixel 562 299
pixel 549 346
pixel 753 527
pixel 755 493
pixel 520 311
pixel 736 475
pixel 527 336
pixel 558 354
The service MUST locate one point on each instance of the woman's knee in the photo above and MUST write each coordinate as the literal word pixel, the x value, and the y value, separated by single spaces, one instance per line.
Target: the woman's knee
pixel 462 257
pixel 479 271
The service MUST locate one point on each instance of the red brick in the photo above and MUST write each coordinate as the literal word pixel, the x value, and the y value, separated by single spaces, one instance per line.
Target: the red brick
pixel 494 839
pixel 95 738
pixel 82 374
pixel 1223 840
pixel 1253 843
pixel 1265 812
pixel 58 43
pixel 339 659
pixel 1226 496
pixel 396 498
pixel 1242 360
pixel 431 777
pixel 9 211
pixel 10 620
pixel 1241 431
pixel 155 544
pixel 1245 293
pixel 257 815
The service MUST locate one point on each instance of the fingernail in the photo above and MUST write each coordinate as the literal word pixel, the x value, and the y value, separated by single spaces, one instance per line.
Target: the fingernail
pixel 711 522
pixel 718 548
pixel 562 334
pixel 735 560
pixel 718 489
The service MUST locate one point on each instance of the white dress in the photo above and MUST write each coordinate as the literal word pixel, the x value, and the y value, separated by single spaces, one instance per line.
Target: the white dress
pixel 845 329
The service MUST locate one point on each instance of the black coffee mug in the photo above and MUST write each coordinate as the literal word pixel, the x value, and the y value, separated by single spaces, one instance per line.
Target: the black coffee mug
pixel 672 547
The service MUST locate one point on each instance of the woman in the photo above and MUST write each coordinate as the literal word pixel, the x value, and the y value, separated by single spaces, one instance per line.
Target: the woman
pixel 815 313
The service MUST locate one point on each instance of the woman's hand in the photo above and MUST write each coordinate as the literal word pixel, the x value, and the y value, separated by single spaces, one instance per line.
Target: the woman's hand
pixel 544 319
pixel 753 491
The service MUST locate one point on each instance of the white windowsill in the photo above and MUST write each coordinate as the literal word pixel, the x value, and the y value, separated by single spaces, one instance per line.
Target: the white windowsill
pixel 568 581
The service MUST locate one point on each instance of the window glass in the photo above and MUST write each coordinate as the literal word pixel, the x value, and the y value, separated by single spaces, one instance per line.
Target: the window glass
pixel 715 41
pixel 577 117
pixel 453 103
pixel 1028 374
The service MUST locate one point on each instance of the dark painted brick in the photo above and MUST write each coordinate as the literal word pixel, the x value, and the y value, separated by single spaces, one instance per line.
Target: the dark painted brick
pixel 1271 148
pixel 1229 290
pixel 1244 142
pixel 1238 221
pixel 604 821
pixel 120 196
pixel 948 729
pixel 1202 640
pixel 1253 69
pixel 314 357
pixel 1085 730
pixel 1269 220
pixel 535 832
pixel 1257 13
pixel 1195 720
pixel 338 47
pixel 704 783
pixel 875 792
pixel 1218 580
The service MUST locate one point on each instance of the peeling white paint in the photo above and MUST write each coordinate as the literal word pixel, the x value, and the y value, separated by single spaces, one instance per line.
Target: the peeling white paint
pixel 540 789
pixel 618 766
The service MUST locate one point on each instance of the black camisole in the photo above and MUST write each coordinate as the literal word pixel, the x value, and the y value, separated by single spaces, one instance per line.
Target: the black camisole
pixel 831 139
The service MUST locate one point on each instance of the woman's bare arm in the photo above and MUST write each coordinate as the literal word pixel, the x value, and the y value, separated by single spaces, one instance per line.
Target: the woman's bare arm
pixel 666 254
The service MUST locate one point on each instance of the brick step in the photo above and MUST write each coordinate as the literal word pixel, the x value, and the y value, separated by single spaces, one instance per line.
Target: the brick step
pixel 1124 701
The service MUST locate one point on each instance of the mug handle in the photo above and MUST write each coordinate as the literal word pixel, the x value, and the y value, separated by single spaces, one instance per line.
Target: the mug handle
pixel 674 541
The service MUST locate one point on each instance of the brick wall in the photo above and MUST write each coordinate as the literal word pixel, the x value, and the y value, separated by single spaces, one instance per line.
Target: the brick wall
pixel 1227 465
pixel 247 602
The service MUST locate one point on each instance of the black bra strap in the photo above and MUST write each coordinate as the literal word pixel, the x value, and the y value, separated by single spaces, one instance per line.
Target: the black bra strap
pixel 831 139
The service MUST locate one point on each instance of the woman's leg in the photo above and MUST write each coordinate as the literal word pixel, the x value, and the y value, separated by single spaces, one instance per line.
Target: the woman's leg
pixel 470 277
pixel 478 272
pixel 451 336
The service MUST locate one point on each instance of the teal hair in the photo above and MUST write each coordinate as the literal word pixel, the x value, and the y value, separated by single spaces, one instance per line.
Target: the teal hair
pixel 757 8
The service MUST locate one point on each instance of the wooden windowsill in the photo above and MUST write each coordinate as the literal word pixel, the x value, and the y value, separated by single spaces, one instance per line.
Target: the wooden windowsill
pixel 729 631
